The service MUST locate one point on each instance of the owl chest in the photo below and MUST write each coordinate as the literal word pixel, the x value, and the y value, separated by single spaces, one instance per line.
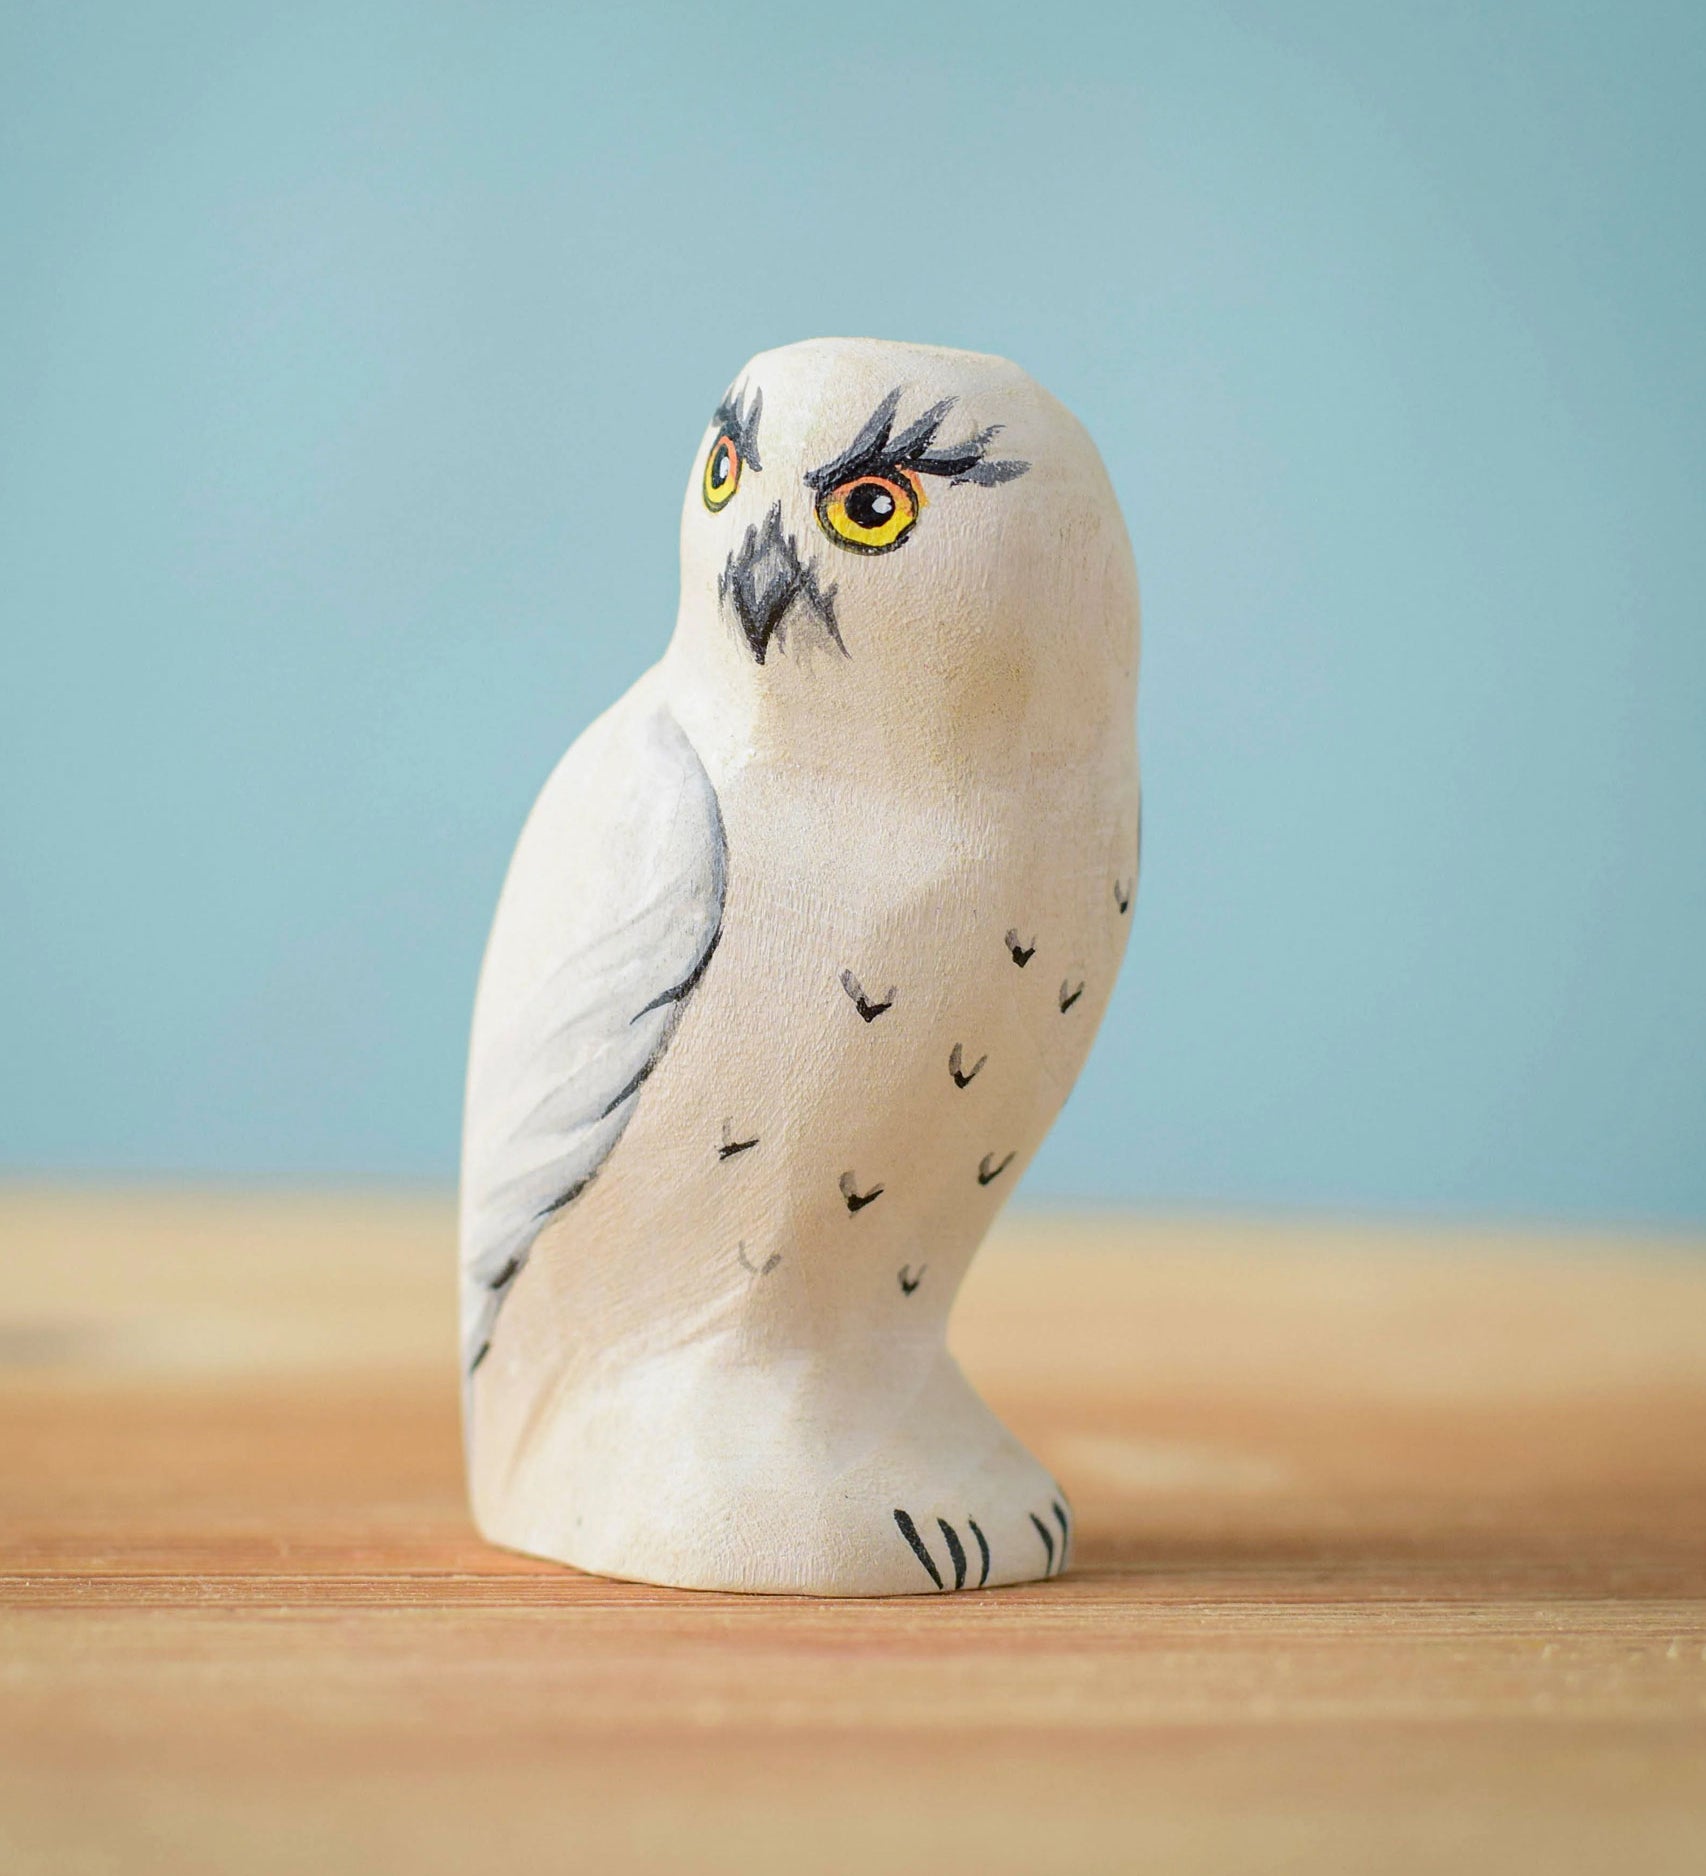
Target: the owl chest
pixel 879 889
pixel 901 995
pixel 876 950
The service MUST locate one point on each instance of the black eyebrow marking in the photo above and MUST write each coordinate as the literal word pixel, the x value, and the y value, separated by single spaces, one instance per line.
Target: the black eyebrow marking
pixel 733 420
pixel 877 451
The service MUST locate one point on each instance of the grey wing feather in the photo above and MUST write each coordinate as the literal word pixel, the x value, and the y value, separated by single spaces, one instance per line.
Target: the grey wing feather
pixel 611 913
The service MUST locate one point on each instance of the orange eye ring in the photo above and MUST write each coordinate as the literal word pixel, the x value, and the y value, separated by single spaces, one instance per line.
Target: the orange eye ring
pixel 869 514
pixel 722 473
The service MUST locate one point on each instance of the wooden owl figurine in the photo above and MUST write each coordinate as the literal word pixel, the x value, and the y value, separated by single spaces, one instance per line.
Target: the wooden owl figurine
pixel 803 945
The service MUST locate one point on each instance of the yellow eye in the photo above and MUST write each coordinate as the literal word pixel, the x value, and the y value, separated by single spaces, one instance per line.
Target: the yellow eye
pixel 870 513
pixel 722 473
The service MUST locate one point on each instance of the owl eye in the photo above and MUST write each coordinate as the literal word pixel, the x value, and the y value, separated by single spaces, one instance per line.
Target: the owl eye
pixel 869 513
pixel 722 473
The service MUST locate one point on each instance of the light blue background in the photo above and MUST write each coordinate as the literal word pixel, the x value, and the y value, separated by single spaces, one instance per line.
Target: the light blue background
pixel 351 360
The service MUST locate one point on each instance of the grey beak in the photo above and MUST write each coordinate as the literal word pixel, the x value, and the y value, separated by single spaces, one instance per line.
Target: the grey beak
pixel 762 580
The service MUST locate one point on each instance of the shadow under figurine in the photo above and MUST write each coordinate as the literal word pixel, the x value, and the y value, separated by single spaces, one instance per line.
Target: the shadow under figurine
pixel 802 947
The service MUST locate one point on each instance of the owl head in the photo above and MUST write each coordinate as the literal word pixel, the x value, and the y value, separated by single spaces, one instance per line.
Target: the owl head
pixel 899 539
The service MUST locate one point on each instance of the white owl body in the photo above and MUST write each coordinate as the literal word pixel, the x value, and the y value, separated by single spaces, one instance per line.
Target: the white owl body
pixel 893 863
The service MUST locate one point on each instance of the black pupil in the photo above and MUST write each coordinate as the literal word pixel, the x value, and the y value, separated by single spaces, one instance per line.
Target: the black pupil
pixel 869 505
pixel 722 465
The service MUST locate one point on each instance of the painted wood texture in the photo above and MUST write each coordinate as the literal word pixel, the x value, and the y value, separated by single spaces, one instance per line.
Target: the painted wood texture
pixel 877 803
pixel 1392 1557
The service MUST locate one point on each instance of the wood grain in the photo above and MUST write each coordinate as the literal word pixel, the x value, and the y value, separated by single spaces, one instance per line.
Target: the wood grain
pixel 1392 1558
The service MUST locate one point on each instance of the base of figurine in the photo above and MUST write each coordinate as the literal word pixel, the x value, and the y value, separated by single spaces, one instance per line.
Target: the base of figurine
pixel 766 1482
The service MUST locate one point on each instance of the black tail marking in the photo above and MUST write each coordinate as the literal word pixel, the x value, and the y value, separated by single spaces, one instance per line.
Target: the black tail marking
pixel 909 1531
pixel 1048 1543
pixel 955 1550
pixel 983 1548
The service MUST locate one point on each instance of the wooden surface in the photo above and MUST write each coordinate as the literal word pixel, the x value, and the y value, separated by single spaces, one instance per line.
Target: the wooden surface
pixel 1392 1558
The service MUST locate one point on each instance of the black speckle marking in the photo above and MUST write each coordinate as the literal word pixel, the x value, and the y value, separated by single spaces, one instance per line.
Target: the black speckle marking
pixel 867 1009
pixel 1122 896
pixel 983 1549
pixel 909 1531
pixel 1069 996
pixel 989 1168
pixel 857 1200
pixel 758 1270
pixel 731 1146
pixel 1048 1543
pixel 956 1551
pixel 962 1075
pixel 908 1282
pixel 1022 954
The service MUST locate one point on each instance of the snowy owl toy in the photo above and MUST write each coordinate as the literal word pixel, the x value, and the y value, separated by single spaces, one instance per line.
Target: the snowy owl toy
pixel 801 950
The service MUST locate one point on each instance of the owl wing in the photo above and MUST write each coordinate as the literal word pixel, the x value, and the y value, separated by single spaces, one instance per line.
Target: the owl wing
pixel 608 917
